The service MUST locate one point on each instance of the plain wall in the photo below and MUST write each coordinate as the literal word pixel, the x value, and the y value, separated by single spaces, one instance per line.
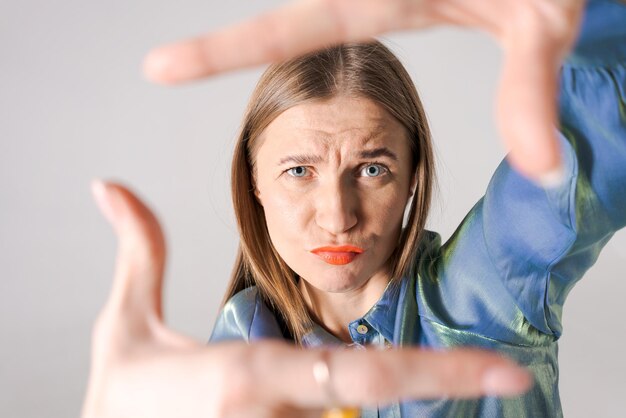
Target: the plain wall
pixel 74 106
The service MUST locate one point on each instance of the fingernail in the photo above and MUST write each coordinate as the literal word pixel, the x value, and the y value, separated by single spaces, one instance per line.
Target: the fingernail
pixel 507 381
pixel 553 178
pixel 156 67
pixel 101 195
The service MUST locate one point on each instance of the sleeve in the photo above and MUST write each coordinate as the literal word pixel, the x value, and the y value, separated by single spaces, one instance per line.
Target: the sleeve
pixel 522 247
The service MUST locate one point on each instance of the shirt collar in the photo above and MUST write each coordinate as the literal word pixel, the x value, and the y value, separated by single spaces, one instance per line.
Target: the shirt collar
pixel 318 336
pixel 381 316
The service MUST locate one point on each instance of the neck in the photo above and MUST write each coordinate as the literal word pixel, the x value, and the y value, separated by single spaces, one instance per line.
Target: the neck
pixel 334 311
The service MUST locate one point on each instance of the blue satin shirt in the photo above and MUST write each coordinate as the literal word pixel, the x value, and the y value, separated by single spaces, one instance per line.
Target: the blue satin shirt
pixel 501 280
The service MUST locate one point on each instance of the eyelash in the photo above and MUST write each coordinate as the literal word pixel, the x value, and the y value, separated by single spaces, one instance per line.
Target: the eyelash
pixel 290 170
pixel 384 169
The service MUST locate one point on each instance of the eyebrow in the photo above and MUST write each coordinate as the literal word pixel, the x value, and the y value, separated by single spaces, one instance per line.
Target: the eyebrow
pixel 379 152
pixel 301 159
pixel 309 159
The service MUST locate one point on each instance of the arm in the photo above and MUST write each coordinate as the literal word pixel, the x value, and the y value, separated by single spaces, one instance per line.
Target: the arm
pixel 523 247
pixel 562 238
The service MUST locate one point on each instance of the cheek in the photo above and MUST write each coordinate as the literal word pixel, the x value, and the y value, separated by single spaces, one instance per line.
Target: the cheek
pixel 383 211
pixel 286 216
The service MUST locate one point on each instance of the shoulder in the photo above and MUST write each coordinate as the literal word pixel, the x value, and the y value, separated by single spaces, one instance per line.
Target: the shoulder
pixel 235 318
pixel 429 249
pixel 243 300
pixel 245 317
pixel 429 242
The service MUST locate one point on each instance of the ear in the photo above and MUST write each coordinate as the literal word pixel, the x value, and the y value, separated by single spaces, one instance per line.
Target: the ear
pixel 257 195
pixel 255 188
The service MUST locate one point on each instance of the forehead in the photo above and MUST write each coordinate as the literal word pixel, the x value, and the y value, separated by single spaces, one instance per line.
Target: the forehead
pixel 337 123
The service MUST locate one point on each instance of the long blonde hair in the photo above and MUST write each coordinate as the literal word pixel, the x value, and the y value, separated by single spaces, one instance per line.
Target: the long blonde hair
pixel 367 70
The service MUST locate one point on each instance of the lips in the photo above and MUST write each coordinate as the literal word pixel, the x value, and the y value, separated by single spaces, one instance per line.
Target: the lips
pixel 338 255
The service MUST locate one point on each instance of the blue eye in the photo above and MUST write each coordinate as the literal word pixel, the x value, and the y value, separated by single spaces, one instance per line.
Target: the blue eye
pixel 297 171
pixel 372 170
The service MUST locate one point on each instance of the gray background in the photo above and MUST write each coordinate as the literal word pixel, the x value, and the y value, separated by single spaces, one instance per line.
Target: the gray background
pixel 74 106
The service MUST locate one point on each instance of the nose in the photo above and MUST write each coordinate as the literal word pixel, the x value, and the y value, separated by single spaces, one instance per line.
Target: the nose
pixel 336 206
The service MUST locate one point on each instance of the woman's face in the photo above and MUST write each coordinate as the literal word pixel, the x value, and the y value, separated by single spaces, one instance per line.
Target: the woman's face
pixel 334 178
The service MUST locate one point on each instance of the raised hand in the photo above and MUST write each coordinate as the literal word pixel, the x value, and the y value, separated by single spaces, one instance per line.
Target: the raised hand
pixel 141 368
pixel 535 36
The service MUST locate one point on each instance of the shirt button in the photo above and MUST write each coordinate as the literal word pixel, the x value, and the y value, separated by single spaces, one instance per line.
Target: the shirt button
pixel 362 329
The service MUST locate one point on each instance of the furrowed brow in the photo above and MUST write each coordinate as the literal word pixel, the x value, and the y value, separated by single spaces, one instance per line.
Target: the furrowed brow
pixel 379 152
pixel 301 159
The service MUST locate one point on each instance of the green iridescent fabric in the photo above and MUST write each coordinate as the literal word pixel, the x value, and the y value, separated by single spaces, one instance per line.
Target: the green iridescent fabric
pixel 501 280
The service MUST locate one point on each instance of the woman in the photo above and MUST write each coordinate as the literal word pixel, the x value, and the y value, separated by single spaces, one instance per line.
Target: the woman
pixel 333 146
pixel 334 101
pixel 178 377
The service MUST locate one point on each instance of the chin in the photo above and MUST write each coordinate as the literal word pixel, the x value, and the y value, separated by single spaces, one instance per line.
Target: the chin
pixel 336 282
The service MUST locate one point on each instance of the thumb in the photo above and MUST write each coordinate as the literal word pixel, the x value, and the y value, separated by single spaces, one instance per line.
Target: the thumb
pixel 527 110
pixel 140 261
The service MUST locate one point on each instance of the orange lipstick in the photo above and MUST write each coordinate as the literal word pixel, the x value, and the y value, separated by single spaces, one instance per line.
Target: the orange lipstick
pixel 338 255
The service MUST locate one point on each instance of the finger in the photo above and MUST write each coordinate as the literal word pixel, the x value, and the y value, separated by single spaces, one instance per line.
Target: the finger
pixel 535 44
pixel 369 377
pixel 527 115
pixel 425 374
pixel 141 250
pixel 291 30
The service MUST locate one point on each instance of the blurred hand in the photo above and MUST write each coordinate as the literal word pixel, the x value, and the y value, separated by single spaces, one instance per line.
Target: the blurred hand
pixel 535 36
pixel 141 368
